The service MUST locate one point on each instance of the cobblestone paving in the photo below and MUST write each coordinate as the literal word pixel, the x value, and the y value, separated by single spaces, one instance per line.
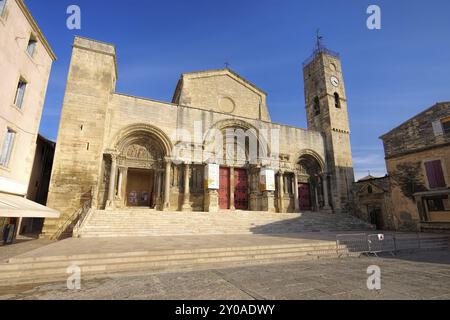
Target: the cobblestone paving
pixel 424 275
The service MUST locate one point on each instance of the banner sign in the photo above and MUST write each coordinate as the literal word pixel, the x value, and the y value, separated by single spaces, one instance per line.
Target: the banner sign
pixel 212 173
pixel 267 180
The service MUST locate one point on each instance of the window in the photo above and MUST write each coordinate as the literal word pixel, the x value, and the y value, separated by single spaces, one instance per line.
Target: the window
pixel 435 174
pixel 7 147
pixel 31 48
pixel 20 94
pixel 446 125
pixel 2 7
pixel 316 106
pixel 440 203
pixel 369 189
pixel 337 100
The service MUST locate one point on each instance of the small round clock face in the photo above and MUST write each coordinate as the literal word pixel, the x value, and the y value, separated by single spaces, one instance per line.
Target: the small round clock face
pixel 334 81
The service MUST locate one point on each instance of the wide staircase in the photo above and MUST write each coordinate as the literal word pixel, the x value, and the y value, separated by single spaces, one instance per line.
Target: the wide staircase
pixel 176 242
pixel 140 222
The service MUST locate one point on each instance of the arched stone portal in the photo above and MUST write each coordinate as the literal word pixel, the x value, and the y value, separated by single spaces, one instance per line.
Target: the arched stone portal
pixel 312 182
pixel 238 148
pixel 139 168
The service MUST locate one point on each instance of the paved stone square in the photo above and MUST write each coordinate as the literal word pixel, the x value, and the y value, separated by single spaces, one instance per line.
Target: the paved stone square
pixel 422 275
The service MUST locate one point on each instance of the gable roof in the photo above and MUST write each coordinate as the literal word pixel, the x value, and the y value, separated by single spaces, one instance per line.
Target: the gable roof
pixel 437 105
pixel 215 72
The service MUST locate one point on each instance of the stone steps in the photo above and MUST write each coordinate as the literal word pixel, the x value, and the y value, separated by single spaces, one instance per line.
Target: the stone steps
pixel 128 223
pixel 45 269
pixel 36 268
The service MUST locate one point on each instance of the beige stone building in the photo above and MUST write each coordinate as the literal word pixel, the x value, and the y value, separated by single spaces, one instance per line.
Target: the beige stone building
pixel 373 202
pixel 197 152
pixel 418 163
pixel 25 63
pixel 414 196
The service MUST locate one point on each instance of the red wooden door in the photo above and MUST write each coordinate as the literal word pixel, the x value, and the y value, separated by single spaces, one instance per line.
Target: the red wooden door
pixel 304 196
pixel 240 189
pixel 224 188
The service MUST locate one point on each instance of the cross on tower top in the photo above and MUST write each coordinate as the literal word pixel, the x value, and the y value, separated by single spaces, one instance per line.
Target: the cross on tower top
pixel 319 38
pixel 227 65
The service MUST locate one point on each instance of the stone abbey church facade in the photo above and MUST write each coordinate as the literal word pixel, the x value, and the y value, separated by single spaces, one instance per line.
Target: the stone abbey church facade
pixel 116 151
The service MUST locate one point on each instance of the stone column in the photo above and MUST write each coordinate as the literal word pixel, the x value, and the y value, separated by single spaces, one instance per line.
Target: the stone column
pixel 211 200
pixel 158 189
pixel 166 203
pixel 120 183
pixel 281 191
pixel 296 195
pixel 268 201
pixel 112 181
pixel 285 184
pixel 186 195
pixel 316 194
pixel 232 189
pixel 325 192
pixel 253 197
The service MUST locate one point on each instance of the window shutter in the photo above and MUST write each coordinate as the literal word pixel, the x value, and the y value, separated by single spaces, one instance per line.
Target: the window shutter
pixel 435 174
pixel 437 128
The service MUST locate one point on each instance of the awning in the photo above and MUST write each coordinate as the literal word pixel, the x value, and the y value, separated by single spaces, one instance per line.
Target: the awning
pixel 13 206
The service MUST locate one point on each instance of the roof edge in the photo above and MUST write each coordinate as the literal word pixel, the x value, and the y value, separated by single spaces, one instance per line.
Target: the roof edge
pixel 230 71
pixel 36 28
pixel 413 117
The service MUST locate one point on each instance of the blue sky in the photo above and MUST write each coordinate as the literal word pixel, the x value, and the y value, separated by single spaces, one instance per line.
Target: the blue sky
pixel 390 74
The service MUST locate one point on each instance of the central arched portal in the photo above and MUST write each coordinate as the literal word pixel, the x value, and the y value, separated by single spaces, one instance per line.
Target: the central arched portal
pixel 237 147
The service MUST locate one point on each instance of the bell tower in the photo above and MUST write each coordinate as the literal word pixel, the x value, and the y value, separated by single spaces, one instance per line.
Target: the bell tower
pixel 326 108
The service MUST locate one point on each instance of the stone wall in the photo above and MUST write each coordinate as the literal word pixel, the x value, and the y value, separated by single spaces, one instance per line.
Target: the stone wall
pixel 16 28
pixel 79 148
pixel 223 91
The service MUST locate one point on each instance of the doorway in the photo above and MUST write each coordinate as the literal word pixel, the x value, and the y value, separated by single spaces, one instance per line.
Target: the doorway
pixel 304 196
pixel 240 189
pixel 376 217
pixel 224 188
pixel 140 184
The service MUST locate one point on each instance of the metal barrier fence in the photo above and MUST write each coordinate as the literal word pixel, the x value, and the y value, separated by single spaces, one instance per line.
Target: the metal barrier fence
pixel 352 244
pixel 362 243
pixel 379 243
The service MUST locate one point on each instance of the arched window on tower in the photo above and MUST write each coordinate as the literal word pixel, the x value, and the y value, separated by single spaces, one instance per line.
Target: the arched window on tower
pixel 337 100
pixel 316 106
